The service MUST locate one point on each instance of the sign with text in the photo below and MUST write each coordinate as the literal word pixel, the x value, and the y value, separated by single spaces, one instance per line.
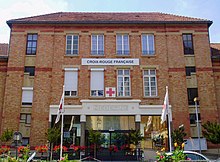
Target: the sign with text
pixel 109 61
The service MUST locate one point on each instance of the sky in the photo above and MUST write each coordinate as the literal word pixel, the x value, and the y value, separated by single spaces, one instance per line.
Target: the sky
pixel 206 9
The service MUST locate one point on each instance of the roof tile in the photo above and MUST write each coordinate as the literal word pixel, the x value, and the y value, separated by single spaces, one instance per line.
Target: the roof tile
pixel 106 17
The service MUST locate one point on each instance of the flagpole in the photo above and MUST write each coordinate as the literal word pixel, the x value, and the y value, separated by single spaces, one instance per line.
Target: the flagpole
pixel 169 127
pixel 61 136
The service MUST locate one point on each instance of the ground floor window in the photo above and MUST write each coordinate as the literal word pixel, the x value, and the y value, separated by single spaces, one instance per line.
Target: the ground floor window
pixel 71 129
pixel 115 141
pixel 110 122
pixel 155 133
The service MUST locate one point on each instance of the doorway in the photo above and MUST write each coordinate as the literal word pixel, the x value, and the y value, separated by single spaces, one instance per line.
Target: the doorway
pixel 115 146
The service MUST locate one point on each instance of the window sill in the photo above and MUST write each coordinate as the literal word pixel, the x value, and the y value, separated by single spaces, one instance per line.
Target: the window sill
pixel 93 56
pixel 96 97
pixel 26 106
pixel 27 125
pixel 71 56
pixel 148 56
pixel 192 106
pixel 123 56
pixel 71 97
pixel 33 55
pixel 151 97
pixel 123 97
pixel 189 55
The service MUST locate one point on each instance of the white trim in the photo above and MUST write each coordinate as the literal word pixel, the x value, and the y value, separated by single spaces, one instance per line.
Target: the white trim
pixel 109 107
pixel 27 88
pixel 110 101
pixel 71 69
pixel 137 118
pixel 97 43
pixel 110 61
pixel 97 69
pixel 82 118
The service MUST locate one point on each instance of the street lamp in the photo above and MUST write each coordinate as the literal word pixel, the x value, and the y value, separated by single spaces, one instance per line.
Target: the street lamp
pixel 197 122
pixel 17 137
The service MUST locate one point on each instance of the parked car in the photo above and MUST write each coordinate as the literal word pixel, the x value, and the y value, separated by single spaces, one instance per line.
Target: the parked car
pixel 195 155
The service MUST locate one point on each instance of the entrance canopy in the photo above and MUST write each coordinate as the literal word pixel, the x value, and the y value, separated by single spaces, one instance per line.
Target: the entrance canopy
pixel 108 107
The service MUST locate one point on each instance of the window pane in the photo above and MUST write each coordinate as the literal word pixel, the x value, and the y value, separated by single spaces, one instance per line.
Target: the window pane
pixel 127 72
pixel 35 37
pixel 30 70
pixel 192 93
pixel 29 36
pixel 67 93
pixel 34 44
pixel 22 117
pixel 190 70
pixel 28 120
pixel 120 72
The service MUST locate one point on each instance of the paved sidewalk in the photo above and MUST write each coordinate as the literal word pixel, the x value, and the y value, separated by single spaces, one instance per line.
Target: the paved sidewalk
pixel 149 155
pixel 212 154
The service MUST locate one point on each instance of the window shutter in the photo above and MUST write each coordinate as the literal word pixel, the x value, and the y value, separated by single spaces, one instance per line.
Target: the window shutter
pixel 97 79
pixel 27 95
pixel 71 79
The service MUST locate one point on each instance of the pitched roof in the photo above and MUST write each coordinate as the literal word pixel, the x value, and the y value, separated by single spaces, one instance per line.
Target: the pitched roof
pixel 3 49
pixel 107 18
pixel 215 45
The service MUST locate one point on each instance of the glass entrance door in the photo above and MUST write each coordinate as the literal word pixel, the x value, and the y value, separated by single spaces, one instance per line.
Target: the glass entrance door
pixel 114 146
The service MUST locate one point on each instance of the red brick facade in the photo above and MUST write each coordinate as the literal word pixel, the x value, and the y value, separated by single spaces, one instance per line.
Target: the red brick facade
pixel 51 59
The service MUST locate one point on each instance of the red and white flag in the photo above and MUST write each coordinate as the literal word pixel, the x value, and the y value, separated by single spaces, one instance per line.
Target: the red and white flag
pixel 61 108
pixel 165 107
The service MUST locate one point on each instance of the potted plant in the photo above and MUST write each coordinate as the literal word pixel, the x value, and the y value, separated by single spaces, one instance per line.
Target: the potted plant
pixel 95 137
pixel 6 136
pixel 135 137
pixel 24 150
pixel 53 134
pixel 41 149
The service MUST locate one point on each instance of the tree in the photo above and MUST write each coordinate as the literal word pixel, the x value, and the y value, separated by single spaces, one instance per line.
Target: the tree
pixel 95 137
pixel 135 137
pixel 211 132
pixel 52 135
pixel 178 135
pixel 6 135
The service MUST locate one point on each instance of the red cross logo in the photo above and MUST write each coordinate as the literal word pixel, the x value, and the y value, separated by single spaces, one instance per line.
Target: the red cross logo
pixel 110 92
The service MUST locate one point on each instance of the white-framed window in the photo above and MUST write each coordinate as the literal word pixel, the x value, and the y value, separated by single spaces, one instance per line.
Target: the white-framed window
pixel 72 44
pixel 150 82
pixel 97 47
pixel 123 82
pixel 122 44
pixel 31 48
pixel 97 82
pixel 71 81
pixel 148 44
pixel 27 95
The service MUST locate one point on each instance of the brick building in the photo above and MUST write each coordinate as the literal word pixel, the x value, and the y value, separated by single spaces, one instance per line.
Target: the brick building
pixel 215 54
pixel 115 67
pixel 3 73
